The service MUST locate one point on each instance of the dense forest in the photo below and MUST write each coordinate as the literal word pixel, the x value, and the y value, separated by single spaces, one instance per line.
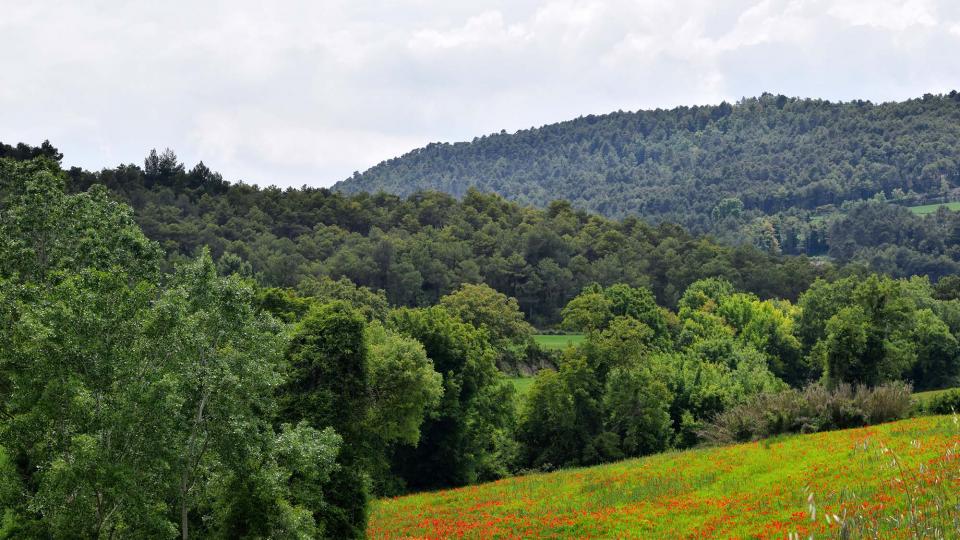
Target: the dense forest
pixel 772 171
pixel 772 153
pixel 416 249
pixel 146 395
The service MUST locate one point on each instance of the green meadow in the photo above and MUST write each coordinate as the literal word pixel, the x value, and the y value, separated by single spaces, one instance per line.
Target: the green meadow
pixel 931 208
pixel 557 342
pixel 875 482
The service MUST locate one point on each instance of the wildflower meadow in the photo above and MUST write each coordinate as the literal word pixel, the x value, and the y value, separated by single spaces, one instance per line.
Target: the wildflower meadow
pixel 897 480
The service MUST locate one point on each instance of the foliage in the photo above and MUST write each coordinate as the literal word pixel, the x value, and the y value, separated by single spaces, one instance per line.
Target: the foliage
pixel 137 404
pixel 702 164
pixel 879 329
pixel 815 408
pixel 704 294
pixel 603 403
pixel 328 387
pixel 797 176
pixel 24 152
pixel 476 407
pixel 328 382
pixel 590 310
pixel 637 405
pixel 946 402
pixel 703 388
pixel 579 415
pixel 887 237
pixel 283 304
pixel 412 251
pixel 597 307
pixel 403 385
pixel 403 390
pixel 628 389
pixel 45 230
pixel 711 312
pixel 496 314
pixel 561 421
pixel 286 390
pixel 371 304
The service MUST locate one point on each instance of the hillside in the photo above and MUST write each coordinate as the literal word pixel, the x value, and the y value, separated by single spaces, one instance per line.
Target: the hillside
pixel 868 481
pixel 772 152
pixel 414 249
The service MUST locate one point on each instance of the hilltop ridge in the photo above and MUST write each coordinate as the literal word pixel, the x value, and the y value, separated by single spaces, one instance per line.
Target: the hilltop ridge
pixel 771 152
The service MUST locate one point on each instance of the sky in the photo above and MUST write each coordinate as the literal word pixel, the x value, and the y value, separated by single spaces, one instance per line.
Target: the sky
pixel 295 93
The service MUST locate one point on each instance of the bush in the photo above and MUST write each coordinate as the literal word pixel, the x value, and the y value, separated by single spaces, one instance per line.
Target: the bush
pixel 813 409
pixel 886 403
pixel 947 402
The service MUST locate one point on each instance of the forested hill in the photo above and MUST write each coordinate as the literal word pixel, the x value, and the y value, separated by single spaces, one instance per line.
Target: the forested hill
pixel 414 249
pixel 771 152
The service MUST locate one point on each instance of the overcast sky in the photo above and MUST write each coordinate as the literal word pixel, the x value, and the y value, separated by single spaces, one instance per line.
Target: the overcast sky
pixel 306 92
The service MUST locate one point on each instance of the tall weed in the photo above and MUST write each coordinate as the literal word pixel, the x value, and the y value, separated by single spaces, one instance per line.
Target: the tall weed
pixel 813 409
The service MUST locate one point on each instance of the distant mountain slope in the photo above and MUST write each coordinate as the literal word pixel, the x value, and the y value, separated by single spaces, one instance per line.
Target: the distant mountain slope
pixel 771 152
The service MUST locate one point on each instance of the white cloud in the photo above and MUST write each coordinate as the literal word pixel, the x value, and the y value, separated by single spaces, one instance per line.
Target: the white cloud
pixel 486 29
pixel 896 15
pixel 227 135
pixel 307 91
pixel 569 23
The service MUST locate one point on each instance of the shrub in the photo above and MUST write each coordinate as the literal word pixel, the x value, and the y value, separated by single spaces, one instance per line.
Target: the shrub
pixel 815 408
pixel 885 403
pixel 944 403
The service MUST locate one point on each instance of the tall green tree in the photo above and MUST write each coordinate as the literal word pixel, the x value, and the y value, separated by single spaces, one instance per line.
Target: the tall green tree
pixel 561 423
pixel 637 410
pixel 879 329
pixel 327 386
pixel 475 413
pixel 596 307
pixel 100 361
pixel 227 361
pixel 498 315
pixel 404 390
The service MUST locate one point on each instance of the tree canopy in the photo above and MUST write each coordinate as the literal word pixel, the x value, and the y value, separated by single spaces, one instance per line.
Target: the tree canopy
pixel 411 251
pixel 691 165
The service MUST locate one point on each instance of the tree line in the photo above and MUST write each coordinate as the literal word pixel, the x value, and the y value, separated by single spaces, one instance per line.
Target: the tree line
pixel 419 248
pixel 880 233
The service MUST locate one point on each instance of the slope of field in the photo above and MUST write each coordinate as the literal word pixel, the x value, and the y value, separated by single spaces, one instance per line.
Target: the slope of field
pixel 557 342
pixel 522 384
pixel 920 210
pixel 869 481
pixel 549 342
pixel 925 209
pixel 924 398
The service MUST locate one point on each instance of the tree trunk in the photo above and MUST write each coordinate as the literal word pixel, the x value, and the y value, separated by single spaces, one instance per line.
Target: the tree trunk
pixel 185 477
pixel 184 525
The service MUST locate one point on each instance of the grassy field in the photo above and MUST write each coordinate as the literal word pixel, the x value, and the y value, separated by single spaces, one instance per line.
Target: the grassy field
pixel 931 208
pixel 920 210
pixel 522 384
pixel 924 397
pixel 550 343
pixel 876 480
pixel 558 342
